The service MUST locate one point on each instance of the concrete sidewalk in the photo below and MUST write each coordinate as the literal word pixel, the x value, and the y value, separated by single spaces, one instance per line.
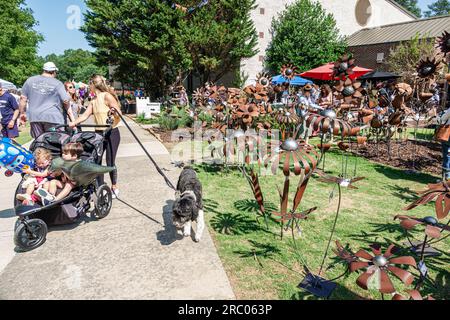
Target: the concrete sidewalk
pixel 128 255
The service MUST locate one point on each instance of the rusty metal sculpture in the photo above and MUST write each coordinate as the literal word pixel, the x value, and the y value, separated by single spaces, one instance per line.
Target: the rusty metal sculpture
pixel 413 295
pixel 350 91
pixel 343 67
pixel 438 191
pixel 378 266
pixel 443 43
pixel 289 71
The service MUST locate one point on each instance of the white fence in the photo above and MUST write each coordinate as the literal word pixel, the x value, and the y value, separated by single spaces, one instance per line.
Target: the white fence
pixel 144 106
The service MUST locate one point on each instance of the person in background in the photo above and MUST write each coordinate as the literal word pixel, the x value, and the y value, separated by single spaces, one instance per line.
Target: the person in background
pixel 102 107
pixel 47 101
pixel 9 111
pixel 75 101
pixel 326 96
pixel 307 98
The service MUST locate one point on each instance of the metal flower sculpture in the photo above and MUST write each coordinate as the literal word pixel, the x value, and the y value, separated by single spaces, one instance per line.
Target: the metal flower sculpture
pixel 438 191
pixel 433 228
pixel 327 121
pixel 427 68
pixel 378 266
pixel 343 67
pixel 443 43
pixel 200 97
pixel 289 71
pixel 346 255
pixel 413 295
pixel 264 79
pixel 296 157
pixel 350 91
pixel 247 113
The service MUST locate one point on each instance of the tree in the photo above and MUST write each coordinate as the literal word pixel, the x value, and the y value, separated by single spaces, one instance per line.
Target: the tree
pixel 78 65
pixel 438 8
pixel 152 44
pixel 305 35
pixel 18 42
pixel 411 5
pixel 403 59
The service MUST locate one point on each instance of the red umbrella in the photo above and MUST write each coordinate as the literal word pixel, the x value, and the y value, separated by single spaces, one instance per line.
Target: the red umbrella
pixel 324 72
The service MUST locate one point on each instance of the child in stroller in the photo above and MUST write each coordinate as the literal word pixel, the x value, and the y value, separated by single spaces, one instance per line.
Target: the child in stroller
pixel 31 228
pixel 37 178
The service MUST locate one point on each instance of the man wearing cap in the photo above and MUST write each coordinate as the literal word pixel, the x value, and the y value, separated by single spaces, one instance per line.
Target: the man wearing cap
pixel 47 101
pixel 9 112
pixel 307 98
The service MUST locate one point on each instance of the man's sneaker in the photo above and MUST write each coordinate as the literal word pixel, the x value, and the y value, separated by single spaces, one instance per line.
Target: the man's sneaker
pixel 115 193
pixel 23 197
pixel 45 196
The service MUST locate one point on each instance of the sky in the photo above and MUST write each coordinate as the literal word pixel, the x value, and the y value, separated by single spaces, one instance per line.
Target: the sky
pixel 59 22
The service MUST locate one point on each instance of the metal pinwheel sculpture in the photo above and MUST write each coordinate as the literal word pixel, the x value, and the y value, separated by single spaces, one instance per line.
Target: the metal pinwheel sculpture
pixel 433 228
pixel 377 268
pixel 350 91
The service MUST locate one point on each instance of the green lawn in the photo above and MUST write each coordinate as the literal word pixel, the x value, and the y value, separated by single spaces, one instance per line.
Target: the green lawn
pixel 261 266
pixel 24 136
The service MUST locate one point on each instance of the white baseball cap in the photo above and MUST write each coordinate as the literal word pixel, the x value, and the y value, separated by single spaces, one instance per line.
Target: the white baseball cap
pixel 50 67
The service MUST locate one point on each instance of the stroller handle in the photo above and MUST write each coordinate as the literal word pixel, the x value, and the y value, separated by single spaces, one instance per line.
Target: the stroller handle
pixel 93 126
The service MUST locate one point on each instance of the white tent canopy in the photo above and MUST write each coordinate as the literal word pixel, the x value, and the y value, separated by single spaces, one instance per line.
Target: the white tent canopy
pixel 6 85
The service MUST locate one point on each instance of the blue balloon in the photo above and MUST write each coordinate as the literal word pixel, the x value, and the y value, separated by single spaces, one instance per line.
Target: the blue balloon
pixel 14 158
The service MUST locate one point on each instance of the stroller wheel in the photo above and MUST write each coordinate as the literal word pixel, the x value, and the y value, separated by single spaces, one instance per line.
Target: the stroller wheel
pixel 103 203
pixel 31 235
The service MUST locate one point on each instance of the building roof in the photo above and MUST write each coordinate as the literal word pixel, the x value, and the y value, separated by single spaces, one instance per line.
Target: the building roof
pixel 427 28
pixel 402 8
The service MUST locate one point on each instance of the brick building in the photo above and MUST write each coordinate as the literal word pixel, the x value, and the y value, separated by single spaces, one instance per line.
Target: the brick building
pixel 371 46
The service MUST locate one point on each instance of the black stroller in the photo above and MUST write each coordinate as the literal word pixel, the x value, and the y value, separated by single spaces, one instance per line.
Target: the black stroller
pixel 31 227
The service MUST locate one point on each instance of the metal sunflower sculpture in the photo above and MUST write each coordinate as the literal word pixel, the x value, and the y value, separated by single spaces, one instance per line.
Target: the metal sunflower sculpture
pixel 288 120
pixel 289 71
pixel 300 159
pixel 264 79
pixel 350 91
pixel 443 43
pixel 438 191
pixel 378 266
pixel 427 68
pixel 327 122
pixel 343 67
pixel 413 295
pixel 433 228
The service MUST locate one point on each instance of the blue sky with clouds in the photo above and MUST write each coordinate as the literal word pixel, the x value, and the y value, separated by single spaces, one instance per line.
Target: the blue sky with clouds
pixel 54 15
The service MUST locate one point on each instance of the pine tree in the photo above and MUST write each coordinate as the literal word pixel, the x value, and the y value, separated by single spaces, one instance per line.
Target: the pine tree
pixel 411 5
pixel 438 8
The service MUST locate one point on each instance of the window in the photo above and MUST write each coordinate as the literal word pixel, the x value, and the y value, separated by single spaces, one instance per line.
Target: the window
pixel 380 57
pixel 262 11
pixel 261 35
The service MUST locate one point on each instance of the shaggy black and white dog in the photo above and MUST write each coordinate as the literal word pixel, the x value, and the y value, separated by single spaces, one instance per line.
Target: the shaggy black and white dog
pixel 188 206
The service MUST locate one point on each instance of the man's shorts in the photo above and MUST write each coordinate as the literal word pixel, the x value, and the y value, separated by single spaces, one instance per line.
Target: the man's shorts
pixel 10 133
pixel 38 128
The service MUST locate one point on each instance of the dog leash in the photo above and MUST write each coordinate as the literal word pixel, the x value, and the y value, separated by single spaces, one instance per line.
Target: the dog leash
pixel 148 155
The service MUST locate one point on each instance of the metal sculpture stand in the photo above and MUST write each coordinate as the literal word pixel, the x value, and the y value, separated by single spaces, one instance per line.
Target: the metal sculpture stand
pixel 315 284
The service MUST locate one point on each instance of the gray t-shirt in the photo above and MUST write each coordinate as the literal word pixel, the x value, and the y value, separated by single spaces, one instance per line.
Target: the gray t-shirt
pixel 45 99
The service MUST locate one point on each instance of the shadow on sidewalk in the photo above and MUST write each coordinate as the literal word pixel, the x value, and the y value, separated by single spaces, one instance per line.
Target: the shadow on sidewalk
pixel 169 235
pixel 8 213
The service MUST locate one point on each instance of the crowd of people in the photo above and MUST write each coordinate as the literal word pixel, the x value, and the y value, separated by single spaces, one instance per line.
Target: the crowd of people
pixel 46 103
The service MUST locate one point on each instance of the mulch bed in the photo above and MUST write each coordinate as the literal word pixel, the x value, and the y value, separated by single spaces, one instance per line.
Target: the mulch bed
pixel 421 156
